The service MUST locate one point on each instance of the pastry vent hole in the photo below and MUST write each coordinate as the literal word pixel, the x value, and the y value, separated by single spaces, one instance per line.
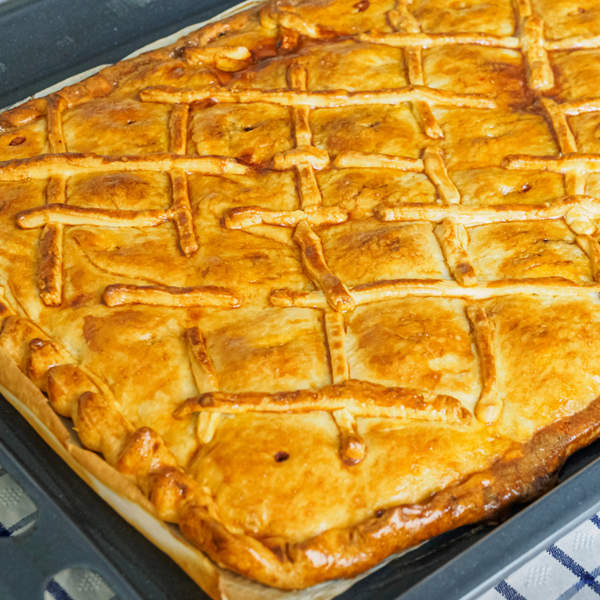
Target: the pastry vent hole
pixel 17 141
pixel 18 513
pixel 78 583
pixel 281 456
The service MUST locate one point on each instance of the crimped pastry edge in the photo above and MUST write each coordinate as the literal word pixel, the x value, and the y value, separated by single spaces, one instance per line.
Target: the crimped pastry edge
pixel 132 505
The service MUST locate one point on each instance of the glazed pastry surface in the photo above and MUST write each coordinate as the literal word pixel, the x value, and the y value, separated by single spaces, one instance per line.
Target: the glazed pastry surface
pixel 322 278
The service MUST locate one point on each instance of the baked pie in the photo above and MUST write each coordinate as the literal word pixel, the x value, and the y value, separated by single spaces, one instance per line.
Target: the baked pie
pixel 318 281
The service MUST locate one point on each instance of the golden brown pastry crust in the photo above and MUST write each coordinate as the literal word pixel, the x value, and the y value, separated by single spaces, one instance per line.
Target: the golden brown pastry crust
pixel 341 246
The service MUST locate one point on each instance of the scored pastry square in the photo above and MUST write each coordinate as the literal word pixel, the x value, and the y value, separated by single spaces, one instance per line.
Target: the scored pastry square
pixel 123 127
pixel 367 250
pixel 421 343
pixel 495 17
pixel 318 272
pixel 360 191
pixel 563 19
pixel 577 72
pixel 528 249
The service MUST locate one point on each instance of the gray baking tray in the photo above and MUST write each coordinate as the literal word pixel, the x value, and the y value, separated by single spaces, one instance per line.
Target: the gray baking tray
pixel 43 42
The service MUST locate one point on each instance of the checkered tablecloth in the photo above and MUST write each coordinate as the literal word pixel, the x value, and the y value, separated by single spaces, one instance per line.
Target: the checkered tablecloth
pixel 569 568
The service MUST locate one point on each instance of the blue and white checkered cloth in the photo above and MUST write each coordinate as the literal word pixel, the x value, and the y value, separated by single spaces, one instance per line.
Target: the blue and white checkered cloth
pixel 569 568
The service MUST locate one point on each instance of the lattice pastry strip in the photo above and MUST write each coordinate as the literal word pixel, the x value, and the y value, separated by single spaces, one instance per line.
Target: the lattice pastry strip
pixel 174 297
pixel 574 182
pixel 436 40
pixel 378 291
pixel 313 260
pixel 50 270
pixel 489 405
pixel 360 398
pixel 575 168
pixel 180 207
pixel 401 19
pixel 310 194
pixel 352 445
pixel 69 164
pixel 579 107
pixel 537 62
pixel 243 217
pixel 316 99
pixel 470 216
pixel 454 241
pixel 224 58
pixel 205 378
pixel 579 163
pixel 591 246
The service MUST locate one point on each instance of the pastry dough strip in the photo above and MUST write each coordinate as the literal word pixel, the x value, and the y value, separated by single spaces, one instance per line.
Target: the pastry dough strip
pixel 66 214
pixel 335 334
pixel 224 58
pixel 574 182
pixel 539 70
pixel 489 405
pixel 401 288
pixel 352 445
pixel 417 41
pixel 316 99
pixel 432 164
pixel 453 239
pixel 471 216
pixel 578 107
pixel 435 168
pixel 205 378
pixel 591 246
pixel 363 160
pixel 180 206
pixel 68 164
pixel 303 159
pixel 243 217
pixel 308 188
pixel 248 216
pixel 209 296
pixel 579 163
pixel 50 267
pixel 414 39
pixel 401 19
pixel 314 263
pixel 361 398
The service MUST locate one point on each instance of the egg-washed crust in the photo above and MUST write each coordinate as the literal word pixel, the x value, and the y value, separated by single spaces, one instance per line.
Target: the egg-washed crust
pixel 425 354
